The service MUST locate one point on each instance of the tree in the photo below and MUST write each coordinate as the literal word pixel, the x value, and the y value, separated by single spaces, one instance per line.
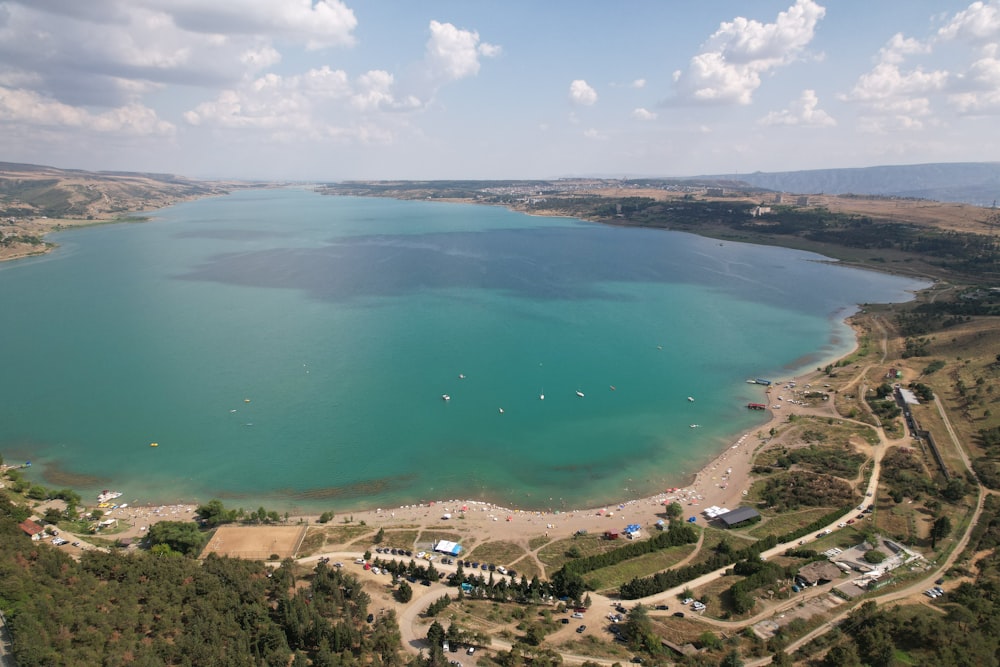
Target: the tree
pixel 379 536
pixel 404 593
pixel 732 659
pixel 675 510
pixel 940 530
pixel 325 517
pixel 181 536
pixel 874 556
pixel 214 513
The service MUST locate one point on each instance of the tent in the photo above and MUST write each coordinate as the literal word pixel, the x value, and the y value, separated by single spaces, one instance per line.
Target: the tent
pixel 446 547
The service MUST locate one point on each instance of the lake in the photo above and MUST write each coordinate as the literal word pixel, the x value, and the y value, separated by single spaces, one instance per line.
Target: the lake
pixel 293 350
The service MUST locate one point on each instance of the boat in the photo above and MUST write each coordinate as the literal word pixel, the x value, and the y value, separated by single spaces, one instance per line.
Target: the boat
pixel 501 410
pixel 461 376
pixel 612 387
pixel 579 393
pixel 541 397
pixel 154 444
pixel 105 495
pixel 446 397
pixel 695 425
pixel 691 398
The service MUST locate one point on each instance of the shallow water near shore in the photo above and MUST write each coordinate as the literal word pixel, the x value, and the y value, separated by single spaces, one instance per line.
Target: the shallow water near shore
pixel 293 350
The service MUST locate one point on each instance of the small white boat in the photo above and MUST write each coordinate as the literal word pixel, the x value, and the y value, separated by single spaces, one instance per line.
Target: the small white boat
pixel 501 410
pixel 445 397
pixel 580 394
pixel 695 425
pixel 541 397
pixel 691 398
pixel 461 376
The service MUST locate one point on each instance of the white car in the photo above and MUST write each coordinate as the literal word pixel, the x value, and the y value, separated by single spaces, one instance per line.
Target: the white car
pixel 687 600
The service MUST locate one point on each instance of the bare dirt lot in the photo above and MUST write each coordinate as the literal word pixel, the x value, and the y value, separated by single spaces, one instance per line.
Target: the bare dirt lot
pixel 256 542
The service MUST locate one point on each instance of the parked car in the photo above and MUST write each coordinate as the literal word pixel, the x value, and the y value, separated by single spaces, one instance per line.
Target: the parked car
pixel 679 614
pixel 472 649
pixel 662 607
pixel 581 629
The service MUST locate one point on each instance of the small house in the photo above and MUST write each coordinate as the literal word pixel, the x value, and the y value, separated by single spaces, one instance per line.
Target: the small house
pixel 31 529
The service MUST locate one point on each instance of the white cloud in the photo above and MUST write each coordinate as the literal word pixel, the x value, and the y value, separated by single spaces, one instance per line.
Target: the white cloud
pixel 899 48
pixel 639 83
pixel 729 68
pixel 261 57
pixel 977 90
pixel 643 114
pixel 322 103
pixel 453 53
pixel 593 133
pixel 316 24
pixel 25 106
pixel 978 23
pixel 581 93
pixel 803 111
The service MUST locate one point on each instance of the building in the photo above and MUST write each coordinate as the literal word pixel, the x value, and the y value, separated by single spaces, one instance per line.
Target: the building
pixel 31 529
pixel 818 572
pixel 738 516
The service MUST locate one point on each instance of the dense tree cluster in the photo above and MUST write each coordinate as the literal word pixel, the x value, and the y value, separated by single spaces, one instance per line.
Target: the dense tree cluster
pixel 152 609
pixel 795 489
pixel 825 459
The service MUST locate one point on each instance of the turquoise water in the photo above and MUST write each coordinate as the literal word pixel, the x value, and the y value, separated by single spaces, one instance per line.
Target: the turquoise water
pixel 290 349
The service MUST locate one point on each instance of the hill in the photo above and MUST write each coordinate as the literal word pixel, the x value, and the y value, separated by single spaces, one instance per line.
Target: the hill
pixel 975 183
pixel 35 200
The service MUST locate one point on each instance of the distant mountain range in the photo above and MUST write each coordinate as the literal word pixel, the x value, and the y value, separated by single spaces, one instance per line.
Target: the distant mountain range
pixel 975 183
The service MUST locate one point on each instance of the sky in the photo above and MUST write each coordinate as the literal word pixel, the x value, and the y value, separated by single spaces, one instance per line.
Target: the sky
pixel 329 90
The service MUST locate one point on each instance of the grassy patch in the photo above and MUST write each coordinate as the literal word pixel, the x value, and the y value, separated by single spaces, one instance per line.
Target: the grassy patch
pixel 400 539
pixel 609 578
pixel 553 555
pixel 786 523
pixel 344 534
pixel 497 552
pixel 538 542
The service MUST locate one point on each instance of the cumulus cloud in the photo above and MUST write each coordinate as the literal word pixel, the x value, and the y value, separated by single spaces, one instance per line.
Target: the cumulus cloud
pixel 582 94
pixel 84 53
pixel 315 23
pixel 893 97
pixel 453 53
pixel 729 68
pixel 978 23
pixel 803 111
pixel 643 114
pixel 639 83
pixel 25 106
pixel 977 90
pixel 305 105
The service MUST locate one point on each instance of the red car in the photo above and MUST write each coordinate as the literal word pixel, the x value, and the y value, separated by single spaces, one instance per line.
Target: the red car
pixel 850 521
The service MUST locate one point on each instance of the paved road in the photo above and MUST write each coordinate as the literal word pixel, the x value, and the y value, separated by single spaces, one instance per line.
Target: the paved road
pixel 6 645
